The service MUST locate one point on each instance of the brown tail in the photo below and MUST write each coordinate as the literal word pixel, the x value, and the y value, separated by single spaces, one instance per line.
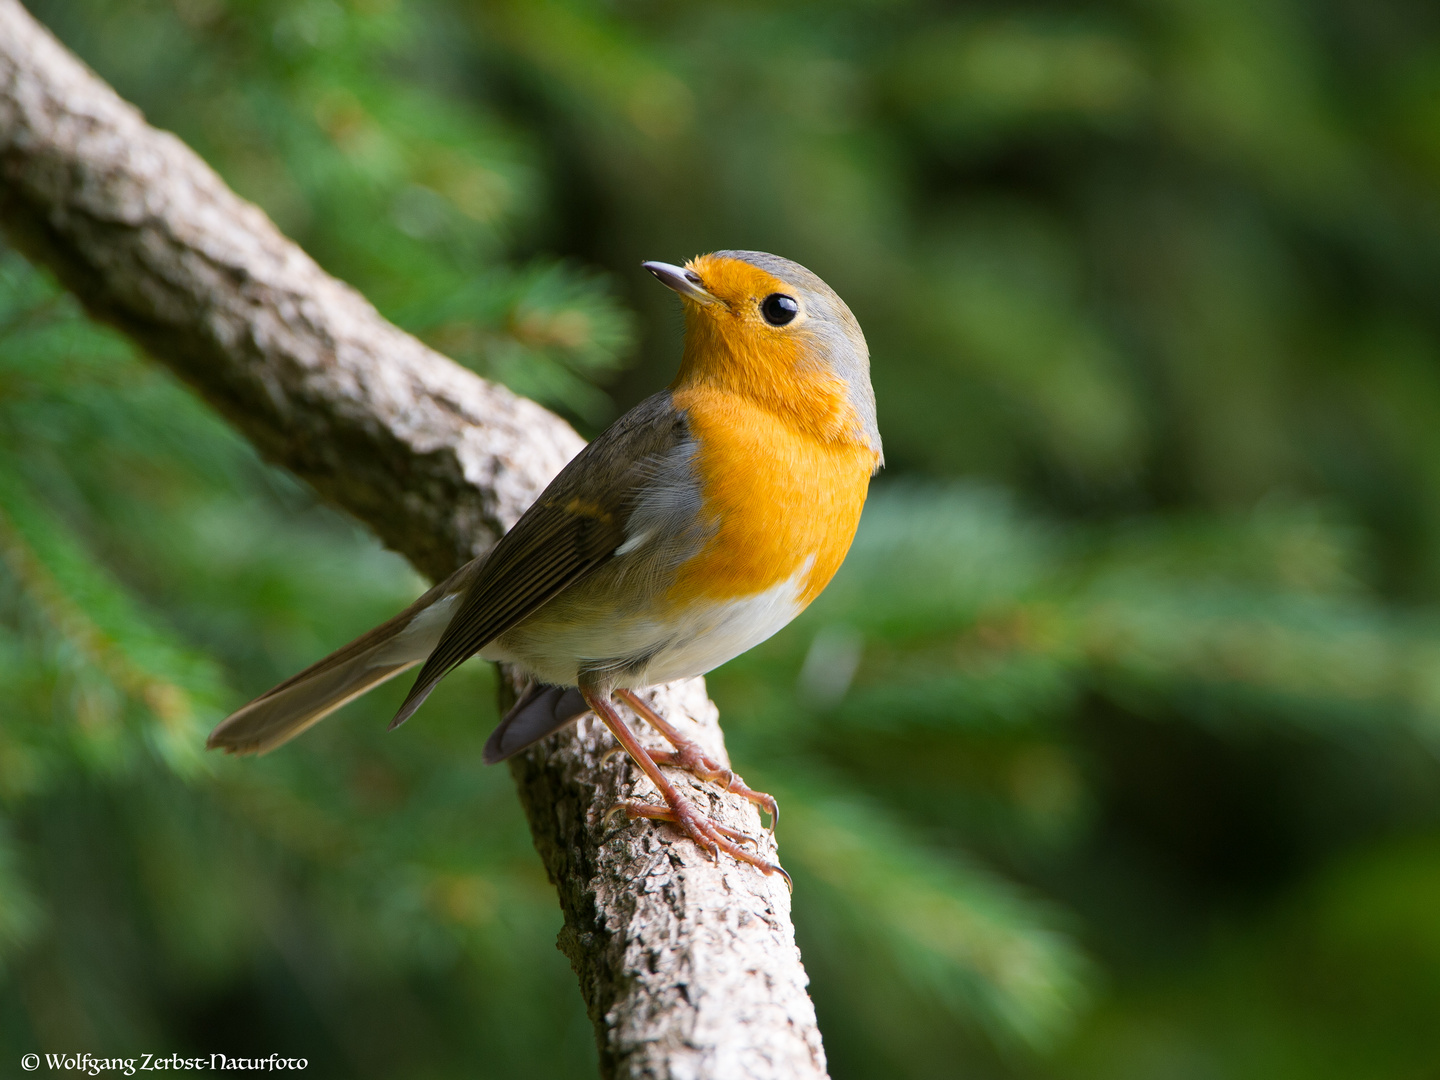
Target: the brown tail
pixel 280 714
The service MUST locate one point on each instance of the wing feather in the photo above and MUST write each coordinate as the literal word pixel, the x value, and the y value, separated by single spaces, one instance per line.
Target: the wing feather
pixel 572 529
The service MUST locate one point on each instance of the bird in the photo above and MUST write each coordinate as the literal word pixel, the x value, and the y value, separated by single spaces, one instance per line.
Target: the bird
pixel 695 527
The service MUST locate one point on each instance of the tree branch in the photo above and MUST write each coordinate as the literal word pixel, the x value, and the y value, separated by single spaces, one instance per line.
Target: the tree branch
pixel 688 966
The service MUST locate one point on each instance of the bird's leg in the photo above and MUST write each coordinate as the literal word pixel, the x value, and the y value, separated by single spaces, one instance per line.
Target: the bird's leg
pixel 689 755
pixel 710 835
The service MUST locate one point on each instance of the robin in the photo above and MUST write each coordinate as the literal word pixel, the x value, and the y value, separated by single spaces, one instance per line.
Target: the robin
pixel 698 525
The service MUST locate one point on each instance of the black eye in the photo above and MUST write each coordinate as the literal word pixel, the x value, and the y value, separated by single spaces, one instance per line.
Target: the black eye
pixel 778 308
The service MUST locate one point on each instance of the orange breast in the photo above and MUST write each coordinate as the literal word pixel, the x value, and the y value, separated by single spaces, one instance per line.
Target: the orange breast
pixel 779 497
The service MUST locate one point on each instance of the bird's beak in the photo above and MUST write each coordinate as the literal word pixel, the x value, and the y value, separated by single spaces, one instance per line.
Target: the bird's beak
pixel 685 282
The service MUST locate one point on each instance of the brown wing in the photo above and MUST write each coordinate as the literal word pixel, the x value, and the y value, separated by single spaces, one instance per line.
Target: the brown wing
pixel 573 528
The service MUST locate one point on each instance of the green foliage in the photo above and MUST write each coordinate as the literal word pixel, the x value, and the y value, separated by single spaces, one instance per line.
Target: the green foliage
pixel 174 890
pixel 1115 758
pixel 351 126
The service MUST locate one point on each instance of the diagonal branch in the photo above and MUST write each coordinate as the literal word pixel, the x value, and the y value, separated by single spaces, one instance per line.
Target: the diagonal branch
pixel 688 967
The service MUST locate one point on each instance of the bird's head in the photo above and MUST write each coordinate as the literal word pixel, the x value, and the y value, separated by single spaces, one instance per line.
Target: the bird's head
pixel 767 328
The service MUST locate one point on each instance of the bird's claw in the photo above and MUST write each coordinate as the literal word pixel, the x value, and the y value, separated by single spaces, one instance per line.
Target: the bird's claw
pixel 664 813
pixel 694 761
pixel 689 755
pixel 709 835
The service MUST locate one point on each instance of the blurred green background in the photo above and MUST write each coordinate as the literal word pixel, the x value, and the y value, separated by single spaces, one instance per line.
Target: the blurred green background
pixel 1111 752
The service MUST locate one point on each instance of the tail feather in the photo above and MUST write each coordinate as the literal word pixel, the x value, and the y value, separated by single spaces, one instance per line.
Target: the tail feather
pixel 285 711
pixel 279 716
pixel 542 710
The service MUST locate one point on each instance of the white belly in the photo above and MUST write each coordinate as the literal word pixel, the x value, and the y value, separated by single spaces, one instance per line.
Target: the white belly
pixel 633 651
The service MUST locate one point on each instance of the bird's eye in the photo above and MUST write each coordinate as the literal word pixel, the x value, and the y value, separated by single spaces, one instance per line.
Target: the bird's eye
pixel 778 308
